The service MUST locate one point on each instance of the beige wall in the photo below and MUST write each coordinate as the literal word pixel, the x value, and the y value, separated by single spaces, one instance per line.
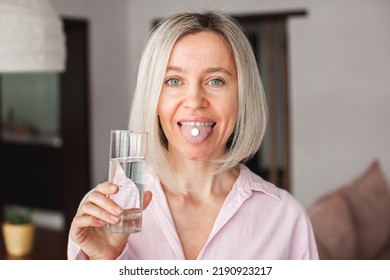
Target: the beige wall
pixel 109 71
pixel 339 59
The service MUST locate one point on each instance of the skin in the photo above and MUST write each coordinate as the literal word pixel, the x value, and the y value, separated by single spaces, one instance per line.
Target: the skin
pixel 201 83
pixel 88 226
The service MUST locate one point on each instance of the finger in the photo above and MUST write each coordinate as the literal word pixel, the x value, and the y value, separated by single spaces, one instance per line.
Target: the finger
pixel 79 226
pixel 80 222
pixel 101 200
pixel 91 209
pixel 107 188
pixel 147 198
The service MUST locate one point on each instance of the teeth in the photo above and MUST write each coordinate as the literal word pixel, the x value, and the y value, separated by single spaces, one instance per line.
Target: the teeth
pixel 196 123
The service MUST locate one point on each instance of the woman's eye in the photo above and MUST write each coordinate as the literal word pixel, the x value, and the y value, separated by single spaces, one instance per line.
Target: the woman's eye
pixel 216 82
pixel 173 82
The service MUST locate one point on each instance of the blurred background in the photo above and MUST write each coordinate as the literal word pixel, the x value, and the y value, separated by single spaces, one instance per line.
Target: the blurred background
pixel 325 67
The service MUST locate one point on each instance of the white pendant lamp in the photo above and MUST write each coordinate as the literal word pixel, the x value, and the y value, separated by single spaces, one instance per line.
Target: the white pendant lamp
pixel 31 37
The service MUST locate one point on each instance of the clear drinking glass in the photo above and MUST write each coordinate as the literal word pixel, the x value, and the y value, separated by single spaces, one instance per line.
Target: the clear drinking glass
pixel 127 171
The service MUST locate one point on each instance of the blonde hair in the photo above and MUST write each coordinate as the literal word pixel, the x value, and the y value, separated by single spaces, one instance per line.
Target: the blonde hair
pixel 252 109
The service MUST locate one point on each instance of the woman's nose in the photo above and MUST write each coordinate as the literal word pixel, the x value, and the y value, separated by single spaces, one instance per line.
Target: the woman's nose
pixel 195 98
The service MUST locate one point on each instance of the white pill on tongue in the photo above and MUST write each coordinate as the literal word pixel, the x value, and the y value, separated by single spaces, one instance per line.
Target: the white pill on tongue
pixel 203 133
pixel 195 132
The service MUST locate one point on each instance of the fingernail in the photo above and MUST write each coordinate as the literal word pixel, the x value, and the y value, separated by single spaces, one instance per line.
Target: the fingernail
pixel 118 210
pixel 114 218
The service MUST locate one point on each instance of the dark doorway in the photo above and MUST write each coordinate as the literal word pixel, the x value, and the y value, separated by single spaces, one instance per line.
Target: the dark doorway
pixel 45 174
pixel 268 35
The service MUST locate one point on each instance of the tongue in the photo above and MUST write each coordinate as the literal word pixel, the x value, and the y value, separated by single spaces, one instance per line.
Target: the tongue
pixel 204 132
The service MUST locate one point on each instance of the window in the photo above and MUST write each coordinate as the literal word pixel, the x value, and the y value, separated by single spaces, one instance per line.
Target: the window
pixel 30 108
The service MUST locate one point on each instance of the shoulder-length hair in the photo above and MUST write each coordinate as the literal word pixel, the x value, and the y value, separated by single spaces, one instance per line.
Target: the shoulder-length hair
pixel 252 109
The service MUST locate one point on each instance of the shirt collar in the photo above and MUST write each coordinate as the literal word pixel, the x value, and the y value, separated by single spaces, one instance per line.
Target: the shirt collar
pixel 250 182
pixel 247 182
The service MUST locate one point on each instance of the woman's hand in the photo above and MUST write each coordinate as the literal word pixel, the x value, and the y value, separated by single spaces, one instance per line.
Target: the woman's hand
pixel 88 226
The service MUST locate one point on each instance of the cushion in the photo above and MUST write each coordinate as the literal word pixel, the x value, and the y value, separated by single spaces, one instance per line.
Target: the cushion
pixel 385 254
pixel 333 227
pixel 354 221
pixel 368 197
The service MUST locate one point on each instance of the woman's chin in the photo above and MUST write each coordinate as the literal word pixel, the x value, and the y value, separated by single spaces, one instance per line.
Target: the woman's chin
pixel 193 153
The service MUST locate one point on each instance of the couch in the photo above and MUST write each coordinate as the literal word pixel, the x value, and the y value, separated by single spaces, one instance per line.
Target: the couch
pixel 353 222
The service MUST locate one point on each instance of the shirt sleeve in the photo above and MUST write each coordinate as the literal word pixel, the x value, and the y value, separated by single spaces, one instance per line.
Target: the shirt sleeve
pixel 312 250
pixel 303 242
pixel 75 252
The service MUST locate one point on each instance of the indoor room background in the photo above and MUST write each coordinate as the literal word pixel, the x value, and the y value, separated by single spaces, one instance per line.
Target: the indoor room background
pixel 328 86
pixel 338 76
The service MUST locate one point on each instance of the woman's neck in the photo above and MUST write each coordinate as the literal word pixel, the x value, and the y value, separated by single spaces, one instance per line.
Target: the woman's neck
pixel 199 181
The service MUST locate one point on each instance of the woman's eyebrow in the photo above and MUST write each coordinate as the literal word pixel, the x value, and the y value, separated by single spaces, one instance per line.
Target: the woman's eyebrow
pixel 218 69
pixel 174 68
pixel 208 70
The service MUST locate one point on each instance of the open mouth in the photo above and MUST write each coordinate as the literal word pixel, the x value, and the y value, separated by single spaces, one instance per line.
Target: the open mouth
pixel 196 132
pixel 196 124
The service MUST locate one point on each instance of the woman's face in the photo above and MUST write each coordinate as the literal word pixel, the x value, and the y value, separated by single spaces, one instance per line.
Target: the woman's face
pixel 199 98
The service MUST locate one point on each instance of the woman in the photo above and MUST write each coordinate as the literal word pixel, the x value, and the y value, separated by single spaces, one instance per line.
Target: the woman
pixel 200 98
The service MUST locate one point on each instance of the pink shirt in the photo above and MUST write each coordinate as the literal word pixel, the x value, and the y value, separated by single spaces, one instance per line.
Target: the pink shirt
pixel 256 221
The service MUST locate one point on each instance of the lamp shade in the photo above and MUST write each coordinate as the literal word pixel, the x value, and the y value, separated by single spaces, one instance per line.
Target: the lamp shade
pixel 31 37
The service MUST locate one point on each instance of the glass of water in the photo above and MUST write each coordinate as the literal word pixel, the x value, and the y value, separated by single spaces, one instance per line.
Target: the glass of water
pixel 127 171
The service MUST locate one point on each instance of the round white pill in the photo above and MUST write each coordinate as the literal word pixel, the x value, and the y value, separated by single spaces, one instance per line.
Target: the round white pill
pixel 195 132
